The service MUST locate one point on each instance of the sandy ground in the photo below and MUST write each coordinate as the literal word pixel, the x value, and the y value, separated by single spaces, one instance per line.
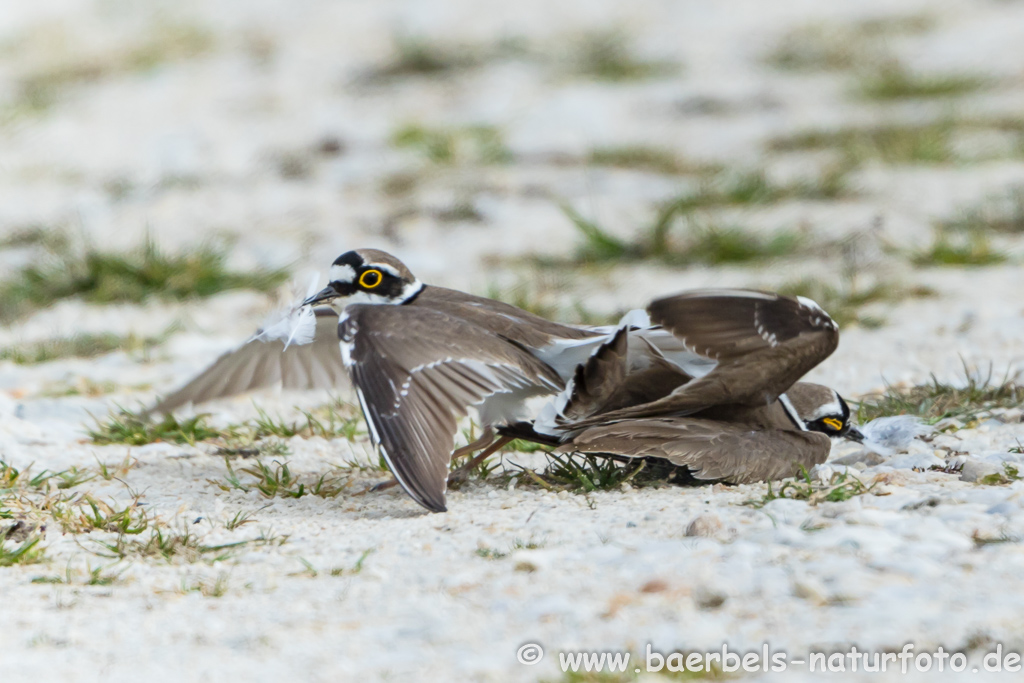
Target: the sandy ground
pixel 229 139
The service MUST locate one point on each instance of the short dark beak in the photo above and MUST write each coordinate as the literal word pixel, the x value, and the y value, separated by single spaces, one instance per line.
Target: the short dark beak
pixel 854 434
pixel 325 294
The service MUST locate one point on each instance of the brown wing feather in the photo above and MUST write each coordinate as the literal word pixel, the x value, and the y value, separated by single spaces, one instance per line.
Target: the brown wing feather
pixel 608 380
pixel 762 342
pixel 415 371
pixel 710 449
pixel 500 318
pixel 596 381
pixel 259 364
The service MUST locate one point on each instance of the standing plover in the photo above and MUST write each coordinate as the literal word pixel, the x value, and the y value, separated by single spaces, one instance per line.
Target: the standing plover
pixel 418 357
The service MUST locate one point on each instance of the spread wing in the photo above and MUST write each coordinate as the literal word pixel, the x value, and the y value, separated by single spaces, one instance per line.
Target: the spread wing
pixel 709 448
pixel 627 370
pixel 415 371
pixel 596 381
pixel 761 343
pixel 259 364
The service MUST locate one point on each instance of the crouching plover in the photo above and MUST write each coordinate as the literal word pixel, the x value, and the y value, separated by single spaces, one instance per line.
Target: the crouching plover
pixel 746 419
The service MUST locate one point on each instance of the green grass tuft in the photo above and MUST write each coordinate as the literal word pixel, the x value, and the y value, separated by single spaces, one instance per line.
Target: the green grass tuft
pixel 28 236
pixel 755 188
pixel 420 56
pixel 78 346
pixel 935 400
pixel 642 158
pixel 86 514
pixel 357 567
pixel 890 143
pixel 893 82
pixel 132 429
pixel 464 145
pixel 1009 475
pixel 461 211
pixel 708 243
pixel 312 572
pixel 168 545
pixel 42 86
pixel 94 576
pixel 1003 214
pixel 895 25
pixel 606 56
pixel 12 479
pixel 134 276
pixel 278 480
pixel 840 486
pixel 26 552
pixel 517 544
pixel 581 473
pixel 814 49
pixel 216 589
pixel 599 244
pixel 713 245
pixel 959 248
pixel 333 420
pixel 240 519
pixel 932 142
pixel 825 47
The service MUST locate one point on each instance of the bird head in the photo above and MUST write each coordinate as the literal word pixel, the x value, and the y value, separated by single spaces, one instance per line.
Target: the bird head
pixel 821 409
pixel 367 276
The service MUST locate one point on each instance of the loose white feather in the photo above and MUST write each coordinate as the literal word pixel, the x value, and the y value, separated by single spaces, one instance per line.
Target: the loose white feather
pixel 296 324
pixel 888 435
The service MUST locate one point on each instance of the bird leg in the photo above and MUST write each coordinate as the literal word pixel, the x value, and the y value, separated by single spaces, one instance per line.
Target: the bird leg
pixel 463 471
pixel 485 439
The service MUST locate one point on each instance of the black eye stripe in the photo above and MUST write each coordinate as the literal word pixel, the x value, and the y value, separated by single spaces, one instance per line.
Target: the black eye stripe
pixel 371 278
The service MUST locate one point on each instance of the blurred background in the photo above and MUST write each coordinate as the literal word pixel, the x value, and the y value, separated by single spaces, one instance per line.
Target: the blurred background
pixel 166 165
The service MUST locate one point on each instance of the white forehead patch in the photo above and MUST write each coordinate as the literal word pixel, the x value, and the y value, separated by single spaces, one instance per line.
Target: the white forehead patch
pixel 385 267
pixel 342 273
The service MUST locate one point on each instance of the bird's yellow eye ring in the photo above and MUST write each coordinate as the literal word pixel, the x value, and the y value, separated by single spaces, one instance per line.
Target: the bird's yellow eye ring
pixel 370 279
pixel 833 423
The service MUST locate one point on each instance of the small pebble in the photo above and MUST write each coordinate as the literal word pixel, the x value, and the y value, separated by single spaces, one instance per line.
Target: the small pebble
pixel 706 525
